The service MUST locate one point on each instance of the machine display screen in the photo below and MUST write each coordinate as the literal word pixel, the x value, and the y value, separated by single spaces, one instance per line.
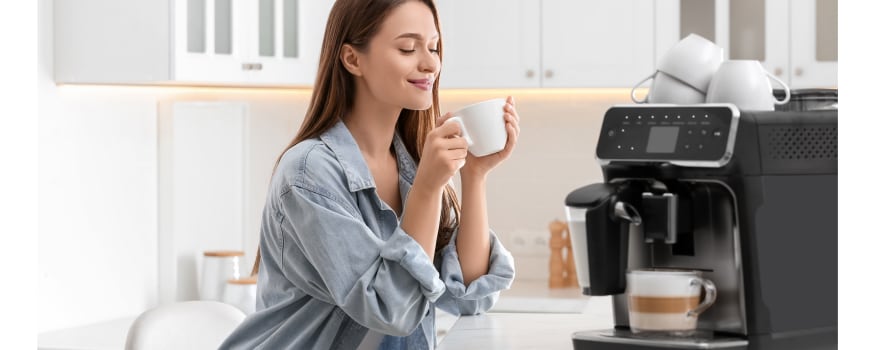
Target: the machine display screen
pixel 662 139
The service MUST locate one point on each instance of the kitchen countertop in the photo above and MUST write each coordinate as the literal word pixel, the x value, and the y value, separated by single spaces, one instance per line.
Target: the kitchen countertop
pixel 535 296
pixel 529 315
pixel 527 330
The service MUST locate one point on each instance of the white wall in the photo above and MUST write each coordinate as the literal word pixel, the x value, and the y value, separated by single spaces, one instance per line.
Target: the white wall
pixel 98 178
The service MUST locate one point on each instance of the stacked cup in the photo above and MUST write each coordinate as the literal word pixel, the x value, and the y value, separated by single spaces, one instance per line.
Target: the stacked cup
pixel 694 71
pixel 684 72
pixel 746 84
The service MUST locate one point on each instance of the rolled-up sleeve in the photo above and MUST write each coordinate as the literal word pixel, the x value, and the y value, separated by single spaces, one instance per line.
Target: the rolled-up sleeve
pixel 482 293
pixel 385 284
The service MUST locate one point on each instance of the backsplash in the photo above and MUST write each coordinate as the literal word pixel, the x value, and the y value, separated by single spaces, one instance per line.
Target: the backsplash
pixel 99 172
pixel 555 154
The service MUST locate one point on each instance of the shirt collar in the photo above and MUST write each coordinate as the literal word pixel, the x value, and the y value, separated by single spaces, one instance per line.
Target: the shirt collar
pixel 339 139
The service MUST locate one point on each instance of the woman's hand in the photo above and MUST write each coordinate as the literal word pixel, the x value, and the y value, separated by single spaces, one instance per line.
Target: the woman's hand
pixel 444 152
pixel 480 166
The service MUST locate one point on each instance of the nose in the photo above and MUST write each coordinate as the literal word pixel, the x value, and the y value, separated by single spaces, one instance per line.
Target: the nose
pixel 430 63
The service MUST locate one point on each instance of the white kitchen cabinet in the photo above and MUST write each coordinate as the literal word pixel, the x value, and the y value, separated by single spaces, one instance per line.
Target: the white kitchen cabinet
pixel 596 43
pixel 814 43
pixel 490 43
pixel 547 43
pixel 794 40
pixel 189 42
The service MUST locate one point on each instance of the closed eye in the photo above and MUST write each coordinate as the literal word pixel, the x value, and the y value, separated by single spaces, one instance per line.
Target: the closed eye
pixel 408 52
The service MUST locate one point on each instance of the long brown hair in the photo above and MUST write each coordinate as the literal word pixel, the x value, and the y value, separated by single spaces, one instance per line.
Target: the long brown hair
pixel 355 22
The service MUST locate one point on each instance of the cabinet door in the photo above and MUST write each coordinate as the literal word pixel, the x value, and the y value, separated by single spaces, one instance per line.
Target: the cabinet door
pixel 208 41
pixel 284 41
pixel 756 30
pixel 489 43
pixel 813 43
pixel 597 43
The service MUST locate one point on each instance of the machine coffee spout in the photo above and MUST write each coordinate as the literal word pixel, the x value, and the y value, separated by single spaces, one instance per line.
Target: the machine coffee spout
pixel 628 213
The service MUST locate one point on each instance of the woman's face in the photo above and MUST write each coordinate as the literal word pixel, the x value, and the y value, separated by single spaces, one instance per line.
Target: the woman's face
pixel 401 62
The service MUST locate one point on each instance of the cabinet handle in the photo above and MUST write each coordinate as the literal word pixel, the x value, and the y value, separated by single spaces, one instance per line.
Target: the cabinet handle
pixel 778 71
pixel 798 72
pixel 530 73
pixel 549 74
pixel 251 66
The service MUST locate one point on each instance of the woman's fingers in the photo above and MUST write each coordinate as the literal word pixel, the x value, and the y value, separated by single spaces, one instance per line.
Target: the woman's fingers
pixel 447 130
pixel 441 119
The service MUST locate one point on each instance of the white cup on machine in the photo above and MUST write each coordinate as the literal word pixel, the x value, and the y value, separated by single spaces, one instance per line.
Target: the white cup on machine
pixel 666 89
pixel 483 126
pixel 746 84
pixel 683 73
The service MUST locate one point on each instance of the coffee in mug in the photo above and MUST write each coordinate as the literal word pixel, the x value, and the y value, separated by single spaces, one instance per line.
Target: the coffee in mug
pixel 667 301
pixel 483 126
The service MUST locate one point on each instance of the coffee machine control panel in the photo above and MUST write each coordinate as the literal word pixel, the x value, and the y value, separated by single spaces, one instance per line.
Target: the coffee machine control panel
pixel 701 135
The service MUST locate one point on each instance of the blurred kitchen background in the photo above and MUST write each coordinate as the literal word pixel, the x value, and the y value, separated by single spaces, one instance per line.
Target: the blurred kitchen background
pixel 160 121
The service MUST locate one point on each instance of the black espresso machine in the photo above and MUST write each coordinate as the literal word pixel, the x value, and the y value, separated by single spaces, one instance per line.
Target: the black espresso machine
pixel 747 198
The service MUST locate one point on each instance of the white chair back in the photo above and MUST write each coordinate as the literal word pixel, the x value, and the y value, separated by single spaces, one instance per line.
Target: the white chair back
pixel 189 325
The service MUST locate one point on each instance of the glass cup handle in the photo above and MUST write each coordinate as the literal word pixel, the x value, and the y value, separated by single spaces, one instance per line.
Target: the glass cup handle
pixel 633 91
pixel 458 120
pixel 711 295
pixel 784 86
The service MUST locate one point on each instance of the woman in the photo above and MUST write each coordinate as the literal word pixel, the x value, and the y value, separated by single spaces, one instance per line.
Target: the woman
pixel 360 234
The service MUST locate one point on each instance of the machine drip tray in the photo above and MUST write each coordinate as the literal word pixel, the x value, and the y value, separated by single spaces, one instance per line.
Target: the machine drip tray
pixel 617 339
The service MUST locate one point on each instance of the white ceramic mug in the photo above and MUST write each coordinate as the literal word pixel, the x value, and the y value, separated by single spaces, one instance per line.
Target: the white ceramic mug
pixel 684 72
pixel 483 126
pixel 667 301
pixel 667 89
pixel 693 60
pixel 746 84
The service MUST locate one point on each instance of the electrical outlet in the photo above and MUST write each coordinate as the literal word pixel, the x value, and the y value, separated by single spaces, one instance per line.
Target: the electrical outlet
pixel 539 245
pixel 514 241
pixel 527 242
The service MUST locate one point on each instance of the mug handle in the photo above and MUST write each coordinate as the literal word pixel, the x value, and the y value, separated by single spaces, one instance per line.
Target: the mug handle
pixel 633 91
pixel 784 86
pixel 458 120
pixel 711 295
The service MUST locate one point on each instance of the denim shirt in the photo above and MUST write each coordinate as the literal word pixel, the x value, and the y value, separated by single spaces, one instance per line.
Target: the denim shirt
pixel 336 262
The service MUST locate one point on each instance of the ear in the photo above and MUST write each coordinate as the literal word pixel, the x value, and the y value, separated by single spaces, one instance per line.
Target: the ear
pixel 350 59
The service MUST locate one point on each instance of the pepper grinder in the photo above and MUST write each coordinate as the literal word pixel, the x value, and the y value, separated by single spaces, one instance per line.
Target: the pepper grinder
pixel 562 265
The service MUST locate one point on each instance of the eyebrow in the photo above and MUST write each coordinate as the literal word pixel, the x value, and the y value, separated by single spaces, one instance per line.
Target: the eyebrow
pixel 414 36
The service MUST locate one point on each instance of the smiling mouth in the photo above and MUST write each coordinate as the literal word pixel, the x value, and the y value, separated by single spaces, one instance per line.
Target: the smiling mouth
pixel 423 84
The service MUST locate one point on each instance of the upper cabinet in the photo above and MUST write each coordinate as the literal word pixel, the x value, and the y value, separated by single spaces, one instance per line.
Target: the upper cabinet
pixel 490 43
pixel 814 56
pixel 547 43
pixel 189 42
pixel 794 40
